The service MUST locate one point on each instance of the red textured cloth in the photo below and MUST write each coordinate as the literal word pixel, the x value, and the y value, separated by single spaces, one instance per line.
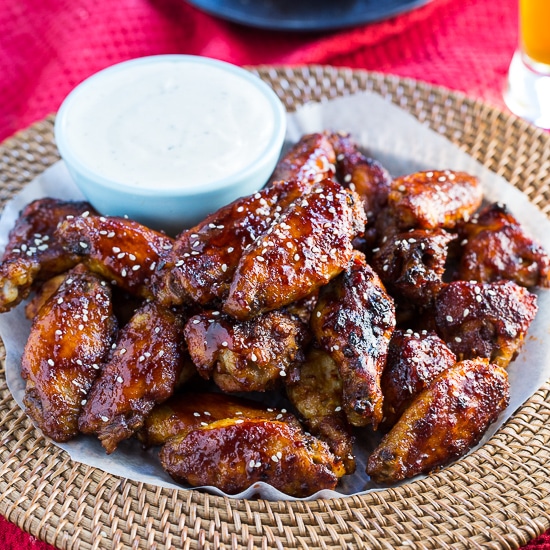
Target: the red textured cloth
pixel 49 46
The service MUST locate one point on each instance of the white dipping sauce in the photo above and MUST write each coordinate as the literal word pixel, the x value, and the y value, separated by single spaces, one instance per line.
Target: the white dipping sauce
pixel 169 124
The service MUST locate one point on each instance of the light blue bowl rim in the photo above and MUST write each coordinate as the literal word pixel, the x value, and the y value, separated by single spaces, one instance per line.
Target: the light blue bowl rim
pixel 268 156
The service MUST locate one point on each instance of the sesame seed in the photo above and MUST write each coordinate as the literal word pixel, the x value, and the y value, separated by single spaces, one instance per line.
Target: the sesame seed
pixel 239 421
pixel 119 379
pixel 105 418
pixel 116 249
pixel 254 357
pixel 224 267
pixel 196 414
pixel 275 458
pixel 51 362
pixel 296 257
pixel 83 244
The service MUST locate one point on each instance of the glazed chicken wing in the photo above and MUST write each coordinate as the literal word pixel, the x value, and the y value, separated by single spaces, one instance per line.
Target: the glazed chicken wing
pixel 412 264
pixel 497 247
pixel 428 200
pixel 364 175
pixel 254 355
pixel 184 412
pixel 32 253
pixel 308 245
pixel 233 454
pixel 123 251
pixel 414 360
pixel 443 422
pixel 142 370
pixel 203 261
pixel 69 338
pixel 309 161
pixel 484 319
pixel 353 321
pixel 317 396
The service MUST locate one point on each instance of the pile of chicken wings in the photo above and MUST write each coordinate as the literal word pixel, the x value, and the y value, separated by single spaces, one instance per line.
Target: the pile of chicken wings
pixel 363 301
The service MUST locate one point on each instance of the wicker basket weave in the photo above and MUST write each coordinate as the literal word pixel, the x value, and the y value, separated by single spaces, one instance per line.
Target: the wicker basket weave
pixel 497 497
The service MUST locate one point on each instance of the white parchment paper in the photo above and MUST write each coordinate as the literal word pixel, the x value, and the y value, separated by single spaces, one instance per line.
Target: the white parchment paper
pixel 402 145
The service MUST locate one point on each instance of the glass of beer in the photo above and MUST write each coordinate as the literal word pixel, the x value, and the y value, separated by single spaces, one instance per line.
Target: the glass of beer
pixel 527 91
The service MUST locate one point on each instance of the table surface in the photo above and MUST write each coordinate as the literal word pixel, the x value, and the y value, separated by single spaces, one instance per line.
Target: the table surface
pixel 49 46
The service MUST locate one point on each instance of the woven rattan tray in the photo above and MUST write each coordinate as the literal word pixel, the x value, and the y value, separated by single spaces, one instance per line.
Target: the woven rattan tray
pixel 497 497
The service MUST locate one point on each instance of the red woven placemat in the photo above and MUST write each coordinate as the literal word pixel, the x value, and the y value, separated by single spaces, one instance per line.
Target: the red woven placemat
pixel 49 46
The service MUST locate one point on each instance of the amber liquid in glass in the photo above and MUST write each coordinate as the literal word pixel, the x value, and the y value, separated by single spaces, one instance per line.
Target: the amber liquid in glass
pixel 534 17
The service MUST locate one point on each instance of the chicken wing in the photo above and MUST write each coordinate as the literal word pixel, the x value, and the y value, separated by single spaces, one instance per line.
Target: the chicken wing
pixel 317 396
pixel 308 245
pixel 142 370
pixel 353 321
pixel 484 319
pixel 203 261
pixel 187 411
pixel 121 250
pixel 364 175
pixel 309 161
pixel 428 200
pixel 414 360
pixel 32 253
pixel 233 454
pixel 69 338
pixel 497 247
pixel 443 422
pixel 412 264
pixel 254 355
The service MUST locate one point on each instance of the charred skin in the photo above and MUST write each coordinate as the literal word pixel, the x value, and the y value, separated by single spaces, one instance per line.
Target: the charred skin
pixel 310 244
pixel 32 253
pixel 414 360
pixel 353 321
pixel 142 370
pixel 255 355
pixel 412 264
pixel 443 422
pixel 69 339
pixel 123 251
pixel 233 454
pixel 484 319
pixel 498 248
